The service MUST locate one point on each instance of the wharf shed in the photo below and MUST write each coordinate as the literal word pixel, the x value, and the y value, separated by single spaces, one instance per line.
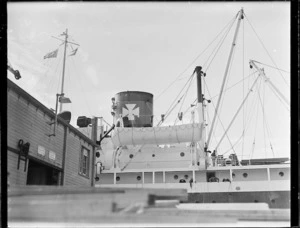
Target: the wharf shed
pixel 36 158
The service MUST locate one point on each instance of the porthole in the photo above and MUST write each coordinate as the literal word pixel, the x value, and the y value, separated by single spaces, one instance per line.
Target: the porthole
pixel 117 178
pixel 97 154
pixel 182 154
pixel 97 178
pixel 186 176
pixel 245 175
pixel 273 201
pixel 153 155
pixel 175 177
pixel 138 178
pixel 131 156
pixel 281 174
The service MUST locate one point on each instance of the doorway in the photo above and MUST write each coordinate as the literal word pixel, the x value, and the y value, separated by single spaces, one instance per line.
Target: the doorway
pixel 40 174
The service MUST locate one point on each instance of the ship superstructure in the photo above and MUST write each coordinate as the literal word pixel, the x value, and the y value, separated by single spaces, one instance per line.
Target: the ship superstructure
pixel 138 154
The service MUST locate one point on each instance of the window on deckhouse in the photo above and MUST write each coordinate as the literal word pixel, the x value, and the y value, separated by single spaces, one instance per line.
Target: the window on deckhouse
pixel 84 162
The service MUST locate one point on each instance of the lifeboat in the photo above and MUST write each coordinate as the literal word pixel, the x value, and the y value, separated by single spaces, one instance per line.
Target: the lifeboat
pixel 122 136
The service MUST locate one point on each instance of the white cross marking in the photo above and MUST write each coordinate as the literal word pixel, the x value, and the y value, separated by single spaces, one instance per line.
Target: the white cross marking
pixel 131 111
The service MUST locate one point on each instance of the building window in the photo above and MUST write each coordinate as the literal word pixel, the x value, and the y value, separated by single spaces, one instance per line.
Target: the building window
pixel 84 162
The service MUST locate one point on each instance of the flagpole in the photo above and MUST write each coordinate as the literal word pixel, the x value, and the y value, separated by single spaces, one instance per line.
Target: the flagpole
pixel 63 72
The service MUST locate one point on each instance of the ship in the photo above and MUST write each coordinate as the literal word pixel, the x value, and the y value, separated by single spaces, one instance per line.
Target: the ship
pixel 136 153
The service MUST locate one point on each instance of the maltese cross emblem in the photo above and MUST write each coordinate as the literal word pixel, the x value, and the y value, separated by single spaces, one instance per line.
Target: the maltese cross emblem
pixel 131 111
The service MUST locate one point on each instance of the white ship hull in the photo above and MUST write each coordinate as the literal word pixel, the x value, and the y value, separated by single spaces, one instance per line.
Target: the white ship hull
pixel 265 184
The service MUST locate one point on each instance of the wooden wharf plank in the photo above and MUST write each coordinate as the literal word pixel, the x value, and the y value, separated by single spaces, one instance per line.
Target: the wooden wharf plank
pixel 249 215
pixel 75 203
pixel 71 204
pixel 52 190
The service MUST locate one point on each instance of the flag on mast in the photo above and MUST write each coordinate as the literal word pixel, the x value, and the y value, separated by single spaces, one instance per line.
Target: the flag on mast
pixel 52 54
pixel 74 52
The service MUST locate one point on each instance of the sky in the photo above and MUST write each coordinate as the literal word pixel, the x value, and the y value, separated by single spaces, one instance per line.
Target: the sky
pixel 154 47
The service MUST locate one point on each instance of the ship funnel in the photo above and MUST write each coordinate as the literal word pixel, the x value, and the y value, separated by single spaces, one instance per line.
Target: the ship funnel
pixel 133 109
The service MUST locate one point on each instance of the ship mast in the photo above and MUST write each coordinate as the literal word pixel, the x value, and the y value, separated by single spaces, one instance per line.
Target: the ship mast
pixel 200 106
pixel 241 16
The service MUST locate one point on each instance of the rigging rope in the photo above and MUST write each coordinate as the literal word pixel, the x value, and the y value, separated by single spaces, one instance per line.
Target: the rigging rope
pixel 266 126
pixel 255 123
pixel 80 87
pixel 178 101
pixel 279 98
pixel 243 86
pixel 217 115
pixel 271 66
pixel 225 86
pixel 184 96
pixel 208 118
pixel 266 51
pixel 218 48
pixel 198 56
pixel 137 151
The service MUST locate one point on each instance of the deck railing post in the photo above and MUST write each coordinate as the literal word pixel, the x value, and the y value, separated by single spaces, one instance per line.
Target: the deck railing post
pixel 153 177
pixel 143 176
pixel 230 174
pixel 268 171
